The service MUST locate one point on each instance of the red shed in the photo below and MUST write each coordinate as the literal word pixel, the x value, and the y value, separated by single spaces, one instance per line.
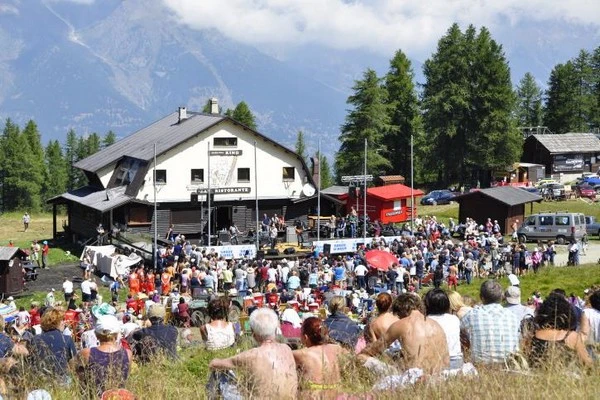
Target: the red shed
pixel 391 203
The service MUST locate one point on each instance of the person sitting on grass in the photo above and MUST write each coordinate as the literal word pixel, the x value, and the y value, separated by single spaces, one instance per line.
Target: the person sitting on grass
pixel 385 318
pixel 318 362
pixel 270 367
pixel 107 365
pixel 423 340
pixel 555 339
pixel 218 333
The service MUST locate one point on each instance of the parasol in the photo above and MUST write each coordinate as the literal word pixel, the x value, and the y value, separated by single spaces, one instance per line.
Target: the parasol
pixel 382 260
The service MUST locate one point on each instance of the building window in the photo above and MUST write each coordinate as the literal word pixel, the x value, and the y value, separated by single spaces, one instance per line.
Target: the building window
pixel 225 142
pixel 243 174
pixel 289 173
pixel 197 176
pixel 161 176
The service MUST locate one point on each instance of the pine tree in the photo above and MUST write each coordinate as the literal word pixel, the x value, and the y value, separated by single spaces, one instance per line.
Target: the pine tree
pixel 595 118
pixel 494 142
pixel 468 102
pixel 109 139
pixel 404 112
pixel 585 88
pixel 300 145
pixel 243 115
pixel 561 109
pixel 326 176
pixel 368 119
pixel 71 158
pixel 529 102
pixel 446 103
pixel 19 190
pixel 56 177
pixel 92 144
pixel 33 161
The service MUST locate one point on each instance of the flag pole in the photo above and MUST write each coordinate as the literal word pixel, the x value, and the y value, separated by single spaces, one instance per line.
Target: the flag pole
pixel 208 194
pixel 365 196
pixel 256 197
pixel 319 193
pixel 412 186
pixel 155 255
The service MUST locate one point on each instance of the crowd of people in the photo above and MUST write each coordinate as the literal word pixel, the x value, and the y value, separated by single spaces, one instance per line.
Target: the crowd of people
pixel 310 315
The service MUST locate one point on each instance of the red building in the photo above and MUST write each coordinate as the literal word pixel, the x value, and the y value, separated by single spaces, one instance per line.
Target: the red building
pixel 390 203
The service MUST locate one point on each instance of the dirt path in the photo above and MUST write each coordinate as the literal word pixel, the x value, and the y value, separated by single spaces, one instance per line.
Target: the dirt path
pixel 591 256
pixel 54 277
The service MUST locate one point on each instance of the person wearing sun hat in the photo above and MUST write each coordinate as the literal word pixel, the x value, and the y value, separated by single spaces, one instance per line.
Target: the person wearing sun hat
pixel 107 365
pixel 512 295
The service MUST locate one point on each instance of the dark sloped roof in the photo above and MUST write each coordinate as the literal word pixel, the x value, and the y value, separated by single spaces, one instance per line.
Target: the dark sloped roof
pixel 101 200
pixel 166 133
pixel 7 253
pixel 569 143
pixel 335 190
pixel 505 194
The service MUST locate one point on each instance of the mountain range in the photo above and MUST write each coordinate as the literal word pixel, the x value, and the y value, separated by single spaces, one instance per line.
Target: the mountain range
pixel 122 64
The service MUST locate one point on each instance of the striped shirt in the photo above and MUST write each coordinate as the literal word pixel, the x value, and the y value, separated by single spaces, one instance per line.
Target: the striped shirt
pixel 493 332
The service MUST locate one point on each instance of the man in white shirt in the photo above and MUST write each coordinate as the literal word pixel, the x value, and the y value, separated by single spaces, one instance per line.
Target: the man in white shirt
pixel 272 273
pixel 67 289
pixel 285 271
pixel 86 291
pixel 360 271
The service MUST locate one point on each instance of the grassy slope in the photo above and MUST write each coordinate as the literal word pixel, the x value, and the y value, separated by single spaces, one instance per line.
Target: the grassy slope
pixel 40 229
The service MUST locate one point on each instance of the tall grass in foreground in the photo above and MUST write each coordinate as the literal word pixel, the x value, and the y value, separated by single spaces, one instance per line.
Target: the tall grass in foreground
pixel 186 379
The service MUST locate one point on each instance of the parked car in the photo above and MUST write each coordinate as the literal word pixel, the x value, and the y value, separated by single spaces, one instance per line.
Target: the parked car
pixel 560 226
pixel 586 191
pixel 531 189
pixel 593 181
pixel 544 181
pixel 553 191
pixel 437 197
pixel 592 226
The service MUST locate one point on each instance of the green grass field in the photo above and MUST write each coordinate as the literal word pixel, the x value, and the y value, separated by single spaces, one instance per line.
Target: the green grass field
pixel 444 212
pixel 40 229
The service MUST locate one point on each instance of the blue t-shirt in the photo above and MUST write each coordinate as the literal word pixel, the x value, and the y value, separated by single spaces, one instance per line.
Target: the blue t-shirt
pixel 52 351
pixel 340 273
pixel 293 282
pixel 6 345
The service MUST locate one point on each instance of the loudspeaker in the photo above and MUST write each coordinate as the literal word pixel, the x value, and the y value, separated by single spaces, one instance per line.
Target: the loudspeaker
pixel 272 252
pixel 289 250
pixel 194 198
pixel 260 254
pixel 326 249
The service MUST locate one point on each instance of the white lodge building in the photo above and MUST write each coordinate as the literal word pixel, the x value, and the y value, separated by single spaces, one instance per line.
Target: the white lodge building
pixel 194 151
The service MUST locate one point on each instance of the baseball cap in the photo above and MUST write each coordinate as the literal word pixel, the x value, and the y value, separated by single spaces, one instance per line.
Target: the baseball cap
pixel 514 281
pixel 156 311
pixel 107 325
pixel 513 295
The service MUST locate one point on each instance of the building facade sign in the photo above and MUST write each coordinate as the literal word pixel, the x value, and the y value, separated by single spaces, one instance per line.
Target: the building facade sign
pixel 225 190
pixel 225 152
pixel 568 163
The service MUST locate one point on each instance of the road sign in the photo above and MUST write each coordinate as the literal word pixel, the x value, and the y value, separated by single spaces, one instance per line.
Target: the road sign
pixel 357 178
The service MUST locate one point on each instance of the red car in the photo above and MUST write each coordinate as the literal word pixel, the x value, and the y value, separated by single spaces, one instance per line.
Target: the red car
pixel 586 191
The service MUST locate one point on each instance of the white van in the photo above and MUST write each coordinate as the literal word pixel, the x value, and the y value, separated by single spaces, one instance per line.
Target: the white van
pixel 559 226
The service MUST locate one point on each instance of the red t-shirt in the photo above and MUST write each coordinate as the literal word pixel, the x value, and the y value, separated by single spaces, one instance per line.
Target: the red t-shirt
pixel 35 317
pixel 45 250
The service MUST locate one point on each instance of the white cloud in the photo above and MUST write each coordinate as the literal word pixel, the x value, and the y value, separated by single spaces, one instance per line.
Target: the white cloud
pixel 379 25
pixel 86 2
